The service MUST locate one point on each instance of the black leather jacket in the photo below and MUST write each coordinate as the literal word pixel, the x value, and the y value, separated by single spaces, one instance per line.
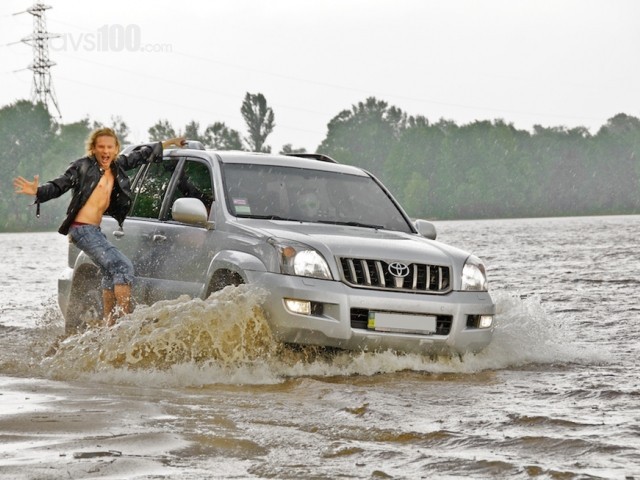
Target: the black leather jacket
pixel 83 175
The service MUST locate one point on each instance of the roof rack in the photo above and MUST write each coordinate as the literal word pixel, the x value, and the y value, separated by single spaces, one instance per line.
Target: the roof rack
pixel 193 144
pixel 314 156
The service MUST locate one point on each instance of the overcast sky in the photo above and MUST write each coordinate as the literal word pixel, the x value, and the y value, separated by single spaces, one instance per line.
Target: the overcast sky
pixel 547 62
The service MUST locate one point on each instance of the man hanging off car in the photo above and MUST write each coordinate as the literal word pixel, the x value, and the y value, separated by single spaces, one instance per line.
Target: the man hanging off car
pixel 100 185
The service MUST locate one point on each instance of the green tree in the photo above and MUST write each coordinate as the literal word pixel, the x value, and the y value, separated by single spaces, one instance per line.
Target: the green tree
pixel 192 132
pixel 437 170
pixel 161 130
pixel 364 135
pixel 259 119
pixel 26 133
pixel 221 137
pixel 617 164
pixel 413 165
pixel 217 136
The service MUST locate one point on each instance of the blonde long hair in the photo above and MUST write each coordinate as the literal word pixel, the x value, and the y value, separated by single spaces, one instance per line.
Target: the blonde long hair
pixel 100 132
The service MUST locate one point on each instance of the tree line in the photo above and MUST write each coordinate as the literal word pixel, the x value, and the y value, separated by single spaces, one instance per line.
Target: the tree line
pixel 490 169
pixel 437 170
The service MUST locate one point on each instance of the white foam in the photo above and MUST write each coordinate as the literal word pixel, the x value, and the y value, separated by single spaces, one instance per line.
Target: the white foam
pixel 527 334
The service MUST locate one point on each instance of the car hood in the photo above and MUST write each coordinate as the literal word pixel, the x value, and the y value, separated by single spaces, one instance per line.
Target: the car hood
pixel 358 242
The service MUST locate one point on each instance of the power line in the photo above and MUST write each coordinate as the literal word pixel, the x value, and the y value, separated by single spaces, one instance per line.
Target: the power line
pixel 42 89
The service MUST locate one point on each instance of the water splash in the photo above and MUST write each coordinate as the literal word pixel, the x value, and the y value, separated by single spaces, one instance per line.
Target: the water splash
pixel 228 328
pixel 527 334
pixel 227 339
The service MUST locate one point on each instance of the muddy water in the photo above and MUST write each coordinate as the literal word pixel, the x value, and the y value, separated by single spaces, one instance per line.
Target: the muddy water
pixel 199 389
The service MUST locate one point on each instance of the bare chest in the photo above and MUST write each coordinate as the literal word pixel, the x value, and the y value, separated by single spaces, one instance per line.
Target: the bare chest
pixel 105 185
pixel 102 192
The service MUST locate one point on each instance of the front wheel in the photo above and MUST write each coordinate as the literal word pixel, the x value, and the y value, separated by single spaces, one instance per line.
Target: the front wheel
pixel 223 278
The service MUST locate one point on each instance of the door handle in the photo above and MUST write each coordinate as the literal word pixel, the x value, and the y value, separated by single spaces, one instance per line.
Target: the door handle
pixel 159 238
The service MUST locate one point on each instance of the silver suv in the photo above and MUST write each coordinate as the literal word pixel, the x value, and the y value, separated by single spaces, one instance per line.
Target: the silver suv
pixel 343 263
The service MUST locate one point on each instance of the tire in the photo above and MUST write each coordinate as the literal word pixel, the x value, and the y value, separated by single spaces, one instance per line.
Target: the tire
pixel 223 278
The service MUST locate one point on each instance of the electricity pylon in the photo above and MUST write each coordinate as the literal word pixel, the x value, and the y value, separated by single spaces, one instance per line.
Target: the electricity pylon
pixel 42 89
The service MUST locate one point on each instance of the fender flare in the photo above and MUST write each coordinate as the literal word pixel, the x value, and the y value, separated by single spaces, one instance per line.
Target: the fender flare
pixel 233 261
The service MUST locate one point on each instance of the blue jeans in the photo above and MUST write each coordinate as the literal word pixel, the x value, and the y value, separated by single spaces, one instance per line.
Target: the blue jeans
pixel 116 269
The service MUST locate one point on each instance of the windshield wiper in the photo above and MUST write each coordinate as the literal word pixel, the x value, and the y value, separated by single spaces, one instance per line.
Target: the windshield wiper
pixel 270 217
pixel 330 222
pixel 352 224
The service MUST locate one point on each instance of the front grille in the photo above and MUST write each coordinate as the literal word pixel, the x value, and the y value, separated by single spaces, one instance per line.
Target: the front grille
pixel 375 274
pixel 360 318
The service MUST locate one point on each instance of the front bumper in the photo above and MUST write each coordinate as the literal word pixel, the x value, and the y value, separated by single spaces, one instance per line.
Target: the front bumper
pixel 332 325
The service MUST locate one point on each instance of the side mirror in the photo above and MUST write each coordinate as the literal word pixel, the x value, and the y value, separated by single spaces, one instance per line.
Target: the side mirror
pixel 426 229
pixel 190 210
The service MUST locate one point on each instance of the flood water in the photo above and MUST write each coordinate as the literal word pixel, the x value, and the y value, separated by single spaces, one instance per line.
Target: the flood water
pixel 197 389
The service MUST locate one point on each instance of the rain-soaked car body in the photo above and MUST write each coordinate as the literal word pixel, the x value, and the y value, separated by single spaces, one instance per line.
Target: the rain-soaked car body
pixel 341 262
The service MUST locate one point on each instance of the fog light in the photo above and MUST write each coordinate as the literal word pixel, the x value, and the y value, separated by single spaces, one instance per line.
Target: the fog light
pixel 485 321
pixel 302 307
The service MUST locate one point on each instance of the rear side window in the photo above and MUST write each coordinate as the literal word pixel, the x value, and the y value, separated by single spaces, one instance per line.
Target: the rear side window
pixel 150 189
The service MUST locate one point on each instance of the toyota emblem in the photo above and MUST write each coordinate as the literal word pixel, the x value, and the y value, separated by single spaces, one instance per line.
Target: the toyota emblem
pixel 397 269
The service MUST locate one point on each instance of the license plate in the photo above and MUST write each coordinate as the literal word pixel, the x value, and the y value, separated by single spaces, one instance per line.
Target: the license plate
pixel 402 322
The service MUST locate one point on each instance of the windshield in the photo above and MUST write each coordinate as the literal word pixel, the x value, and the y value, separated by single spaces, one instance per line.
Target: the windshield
pixel 287 193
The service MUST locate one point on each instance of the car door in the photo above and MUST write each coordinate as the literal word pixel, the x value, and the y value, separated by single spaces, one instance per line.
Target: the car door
pixel 181 252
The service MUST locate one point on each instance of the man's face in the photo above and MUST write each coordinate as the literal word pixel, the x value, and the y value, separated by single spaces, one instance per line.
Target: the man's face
pixel 105 150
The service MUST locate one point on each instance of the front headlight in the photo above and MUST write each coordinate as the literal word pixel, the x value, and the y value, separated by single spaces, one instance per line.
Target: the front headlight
pixel 474 276
pixel 300 259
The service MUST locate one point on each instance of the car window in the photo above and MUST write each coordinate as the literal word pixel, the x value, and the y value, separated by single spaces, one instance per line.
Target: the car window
pixel 267 191
pixel 135 173
pixel 150 188
pixel 194 181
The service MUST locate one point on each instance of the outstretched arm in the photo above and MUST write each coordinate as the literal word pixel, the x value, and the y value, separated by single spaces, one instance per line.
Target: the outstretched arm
pixel 177 141
pixel 148 152
pixel 24 186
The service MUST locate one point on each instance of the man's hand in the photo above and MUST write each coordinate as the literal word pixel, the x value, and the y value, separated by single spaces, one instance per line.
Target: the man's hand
pixel 22 185
pixel 177 142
